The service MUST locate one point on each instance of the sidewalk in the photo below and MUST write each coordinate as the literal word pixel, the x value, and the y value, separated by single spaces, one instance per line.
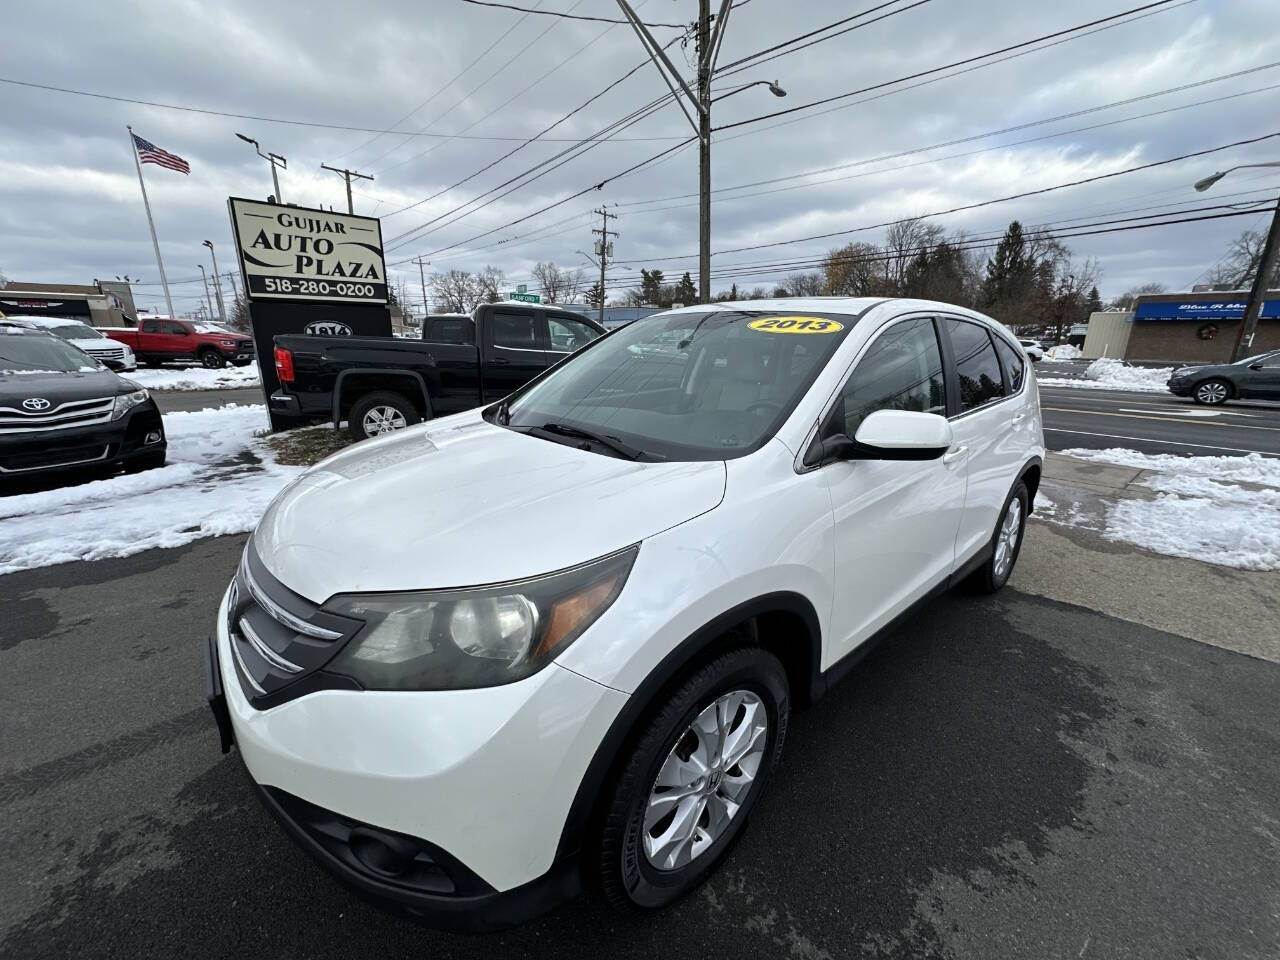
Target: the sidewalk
pixel 1072 562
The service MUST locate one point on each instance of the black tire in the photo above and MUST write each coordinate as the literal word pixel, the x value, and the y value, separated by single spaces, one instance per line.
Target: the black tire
pixel 212 359
pixel 1212 393
pixel 241 363
pixel 379 398
pixel 148 461
pixel 625 876
pixel 151 362
pixel 992 575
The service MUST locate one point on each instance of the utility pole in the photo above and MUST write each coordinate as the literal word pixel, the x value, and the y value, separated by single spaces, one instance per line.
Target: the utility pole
pixel 217 283
pixel 426 309
pixel 204 276
pixel 605 249
pixel 347 175
pixel 709 41
pixel 1258 292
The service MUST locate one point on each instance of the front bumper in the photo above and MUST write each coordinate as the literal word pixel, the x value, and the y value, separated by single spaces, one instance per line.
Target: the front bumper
pixel 477 783
pixel 140 432
pixel 1179 388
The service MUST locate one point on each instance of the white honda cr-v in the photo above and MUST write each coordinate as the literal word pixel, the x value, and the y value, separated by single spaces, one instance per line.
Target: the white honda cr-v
pixel 476 663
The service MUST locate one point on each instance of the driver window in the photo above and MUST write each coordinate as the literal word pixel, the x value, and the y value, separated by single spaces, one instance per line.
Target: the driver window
pixel 567 335
pixel 175 328
pixel 901 371
pixel 150 326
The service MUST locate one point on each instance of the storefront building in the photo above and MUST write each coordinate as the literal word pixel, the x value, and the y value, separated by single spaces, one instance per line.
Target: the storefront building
pixel 101 304
pixel 1197 327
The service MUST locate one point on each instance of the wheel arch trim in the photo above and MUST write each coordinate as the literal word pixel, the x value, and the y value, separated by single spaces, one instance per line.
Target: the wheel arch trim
pixel 335 413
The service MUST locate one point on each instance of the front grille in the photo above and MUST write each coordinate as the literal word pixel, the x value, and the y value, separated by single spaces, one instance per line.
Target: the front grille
pixel 106 353
pixel 277 637
pixel 59 457
pixel 73 413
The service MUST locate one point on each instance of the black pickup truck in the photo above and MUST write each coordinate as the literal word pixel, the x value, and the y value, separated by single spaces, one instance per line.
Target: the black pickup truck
pixel 380 384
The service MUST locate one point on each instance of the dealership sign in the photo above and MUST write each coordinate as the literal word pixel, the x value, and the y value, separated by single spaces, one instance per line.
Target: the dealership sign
pixel 1199 309
pixel 300 253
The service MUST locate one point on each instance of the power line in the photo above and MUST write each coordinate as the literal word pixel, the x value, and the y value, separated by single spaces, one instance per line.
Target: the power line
pixel 567 16
pixel 982 203
pixel 948 66
pixel 281 120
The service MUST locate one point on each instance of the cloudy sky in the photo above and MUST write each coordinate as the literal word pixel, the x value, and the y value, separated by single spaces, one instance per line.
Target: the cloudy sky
pixel 461 85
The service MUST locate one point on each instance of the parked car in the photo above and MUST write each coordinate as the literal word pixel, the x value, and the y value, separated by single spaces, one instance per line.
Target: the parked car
pixel 1033 350
pixel 113 355
pixel 474 663
pixel 1253 378
pixel 380 384
pixel 60 409
pixel 161 340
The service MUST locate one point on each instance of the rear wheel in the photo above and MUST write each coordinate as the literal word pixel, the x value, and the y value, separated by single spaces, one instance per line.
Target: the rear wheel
pixel 241 363
pixel 1006 544
pixel 689 784
pixel 1212 392
pixel 381 412
pixel 212 359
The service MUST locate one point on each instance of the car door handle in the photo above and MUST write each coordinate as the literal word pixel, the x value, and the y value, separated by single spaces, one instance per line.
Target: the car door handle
pixel 499 361
pixel 1019 418
pixel 954 455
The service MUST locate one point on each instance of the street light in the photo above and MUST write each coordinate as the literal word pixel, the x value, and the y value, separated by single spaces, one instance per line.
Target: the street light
pixel 204 276
pixel 217 283
pixel 272 158
pixel 776 90
pixel 1266 265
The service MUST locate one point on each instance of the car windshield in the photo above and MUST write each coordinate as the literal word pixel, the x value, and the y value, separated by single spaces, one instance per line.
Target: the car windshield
pixel 74 331
pixel 203 326
pixel 1256 358
pixel 696 385
pixel 29 354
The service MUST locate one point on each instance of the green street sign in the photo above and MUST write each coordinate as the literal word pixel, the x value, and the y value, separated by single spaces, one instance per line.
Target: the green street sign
pixel 522 288
pixel 524 297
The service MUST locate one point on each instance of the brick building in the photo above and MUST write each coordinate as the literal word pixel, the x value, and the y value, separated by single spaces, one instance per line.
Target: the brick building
pixel 1197 327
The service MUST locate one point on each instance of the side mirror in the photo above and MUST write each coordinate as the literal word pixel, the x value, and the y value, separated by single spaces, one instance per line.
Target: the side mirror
pixel 1255 366
pixel 829 449
pixel 902 435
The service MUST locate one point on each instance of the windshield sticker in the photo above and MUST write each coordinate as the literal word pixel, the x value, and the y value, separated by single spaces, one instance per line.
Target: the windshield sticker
pixel 795 325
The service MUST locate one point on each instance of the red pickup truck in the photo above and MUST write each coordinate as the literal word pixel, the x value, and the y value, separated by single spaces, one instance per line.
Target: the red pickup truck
pixel 158 340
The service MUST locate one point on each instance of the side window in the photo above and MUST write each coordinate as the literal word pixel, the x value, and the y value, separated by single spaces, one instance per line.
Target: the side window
pixel 567 335
pixel 175 328
pixel 1271 361
pixel 976 364
pixel 514 331
pixel 1014 365
pixel 451 330
pixel 901 371
pixel 149 326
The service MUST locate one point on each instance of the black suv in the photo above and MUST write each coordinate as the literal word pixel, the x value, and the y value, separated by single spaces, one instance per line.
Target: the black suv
pixel 62 409
pixel 1253 378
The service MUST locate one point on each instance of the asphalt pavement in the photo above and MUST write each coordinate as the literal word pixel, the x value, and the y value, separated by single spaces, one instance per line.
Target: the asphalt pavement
pixel 171 400
pixel 1006 777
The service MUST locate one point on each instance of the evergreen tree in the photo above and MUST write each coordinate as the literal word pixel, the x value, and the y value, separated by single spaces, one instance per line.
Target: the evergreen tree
pixel 594 295
pixel 1094 302
pixel 1008 272
pixel 651 286
pixel 685 291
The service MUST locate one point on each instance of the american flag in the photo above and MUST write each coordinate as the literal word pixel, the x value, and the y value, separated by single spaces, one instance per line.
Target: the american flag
pixel 148 152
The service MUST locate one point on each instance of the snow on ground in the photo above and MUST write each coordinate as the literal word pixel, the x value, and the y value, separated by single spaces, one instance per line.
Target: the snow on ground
pixel 1223 510
pixel 1064 351
pixel 218 480
pixel 1109 374
pixel 195 378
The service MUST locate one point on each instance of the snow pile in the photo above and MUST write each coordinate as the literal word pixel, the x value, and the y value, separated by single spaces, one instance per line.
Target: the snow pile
pixel 218 480
pixel 1121 376
pixel 195 378
pixel 1064 351
pixel 1201 512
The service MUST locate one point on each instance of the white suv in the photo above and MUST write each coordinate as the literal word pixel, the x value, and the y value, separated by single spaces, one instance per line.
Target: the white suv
pixel 475 663
pixel 1033 350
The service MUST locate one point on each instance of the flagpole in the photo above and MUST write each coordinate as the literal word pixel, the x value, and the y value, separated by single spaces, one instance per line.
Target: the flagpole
pixel 164 281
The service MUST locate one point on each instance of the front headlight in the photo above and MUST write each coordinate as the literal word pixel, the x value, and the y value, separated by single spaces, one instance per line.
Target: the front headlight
pixel 127 401
pixel 227 343
pixel 480 637
pixel 128 350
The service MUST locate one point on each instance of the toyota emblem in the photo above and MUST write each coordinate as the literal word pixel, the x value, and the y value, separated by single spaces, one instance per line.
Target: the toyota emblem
pixel 36 403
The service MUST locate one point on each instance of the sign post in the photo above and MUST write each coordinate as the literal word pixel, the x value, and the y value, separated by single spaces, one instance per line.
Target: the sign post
pixel 307 269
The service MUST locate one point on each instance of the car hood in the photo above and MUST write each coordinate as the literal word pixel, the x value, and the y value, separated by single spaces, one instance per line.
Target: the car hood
pixel 461 502
pixel 97 343
pixel 58 388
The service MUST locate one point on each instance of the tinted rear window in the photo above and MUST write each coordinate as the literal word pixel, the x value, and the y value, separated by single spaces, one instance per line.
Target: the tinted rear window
pixel 449 330
pixel 1014 365
pixel 976 364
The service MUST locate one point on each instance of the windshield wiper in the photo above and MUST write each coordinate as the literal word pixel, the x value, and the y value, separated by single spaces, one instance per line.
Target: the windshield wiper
pixel 624 450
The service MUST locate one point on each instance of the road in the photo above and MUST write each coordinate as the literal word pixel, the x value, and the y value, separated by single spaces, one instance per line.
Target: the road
pixel 171 400
pixel 1006 777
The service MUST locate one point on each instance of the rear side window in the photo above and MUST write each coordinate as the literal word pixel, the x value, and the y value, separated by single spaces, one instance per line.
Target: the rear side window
pixel 976 364
pixel 1014 366
pixel 568 334
pixel 175 328
pixel 514 331
pixel 901 371
pixel 150 326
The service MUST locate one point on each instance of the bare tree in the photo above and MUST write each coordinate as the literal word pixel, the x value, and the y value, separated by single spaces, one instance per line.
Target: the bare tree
pixel 805 284
pixel 903 242
pixel 489 284
pixel 854 270
pixel 1235 270
pixel 551 281
pixel 573 283
pixel 1126 299
pixel 454 291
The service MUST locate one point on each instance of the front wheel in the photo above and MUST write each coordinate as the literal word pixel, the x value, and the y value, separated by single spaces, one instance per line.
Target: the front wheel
pixel 381 412
pixel 689 784
pixel 1006 544
pixel 1212 392
pixel 212 360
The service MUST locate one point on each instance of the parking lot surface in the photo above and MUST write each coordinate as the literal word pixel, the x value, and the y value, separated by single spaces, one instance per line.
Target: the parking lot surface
pixel 1005 777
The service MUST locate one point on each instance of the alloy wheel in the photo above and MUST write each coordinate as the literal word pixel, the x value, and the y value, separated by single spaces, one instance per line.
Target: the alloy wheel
pixel 1212 393
pixel 1007 541
pixel 383 419
pixel 705 780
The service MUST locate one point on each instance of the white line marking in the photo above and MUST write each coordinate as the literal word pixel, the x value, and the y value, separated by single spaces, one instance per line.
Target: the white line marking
pixel 1171 443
